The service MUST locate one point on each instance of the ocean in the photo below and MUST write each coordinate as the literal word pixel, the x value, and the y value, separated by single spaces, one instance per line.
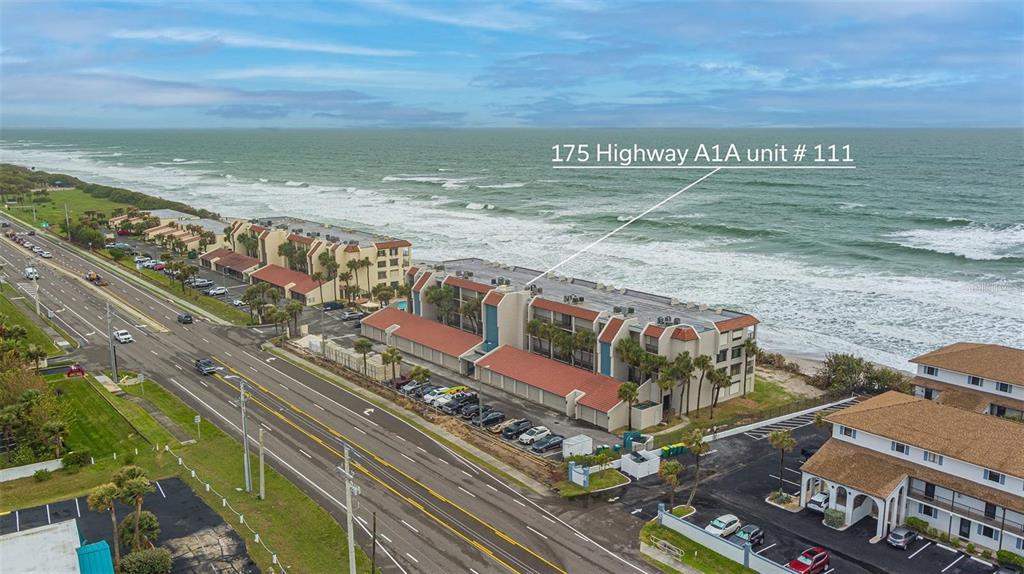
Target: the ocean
pixel 920 246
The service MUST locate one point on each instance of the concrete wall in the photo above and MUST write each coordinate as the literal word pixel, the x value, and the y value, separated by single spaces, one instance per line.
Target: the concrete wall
pixel 29 469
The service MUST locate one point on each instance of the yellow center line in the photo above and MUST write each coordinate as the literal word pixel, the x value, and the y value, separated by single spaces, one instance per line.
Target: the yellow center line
pixel 414 503
pixel 383 462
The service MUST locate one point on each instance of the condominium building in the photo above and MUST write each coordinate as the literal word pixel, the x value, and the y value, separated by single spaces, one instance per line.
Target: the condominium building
pixel 896 456
pixel 533 325
pixel 975 376
pixel 289 251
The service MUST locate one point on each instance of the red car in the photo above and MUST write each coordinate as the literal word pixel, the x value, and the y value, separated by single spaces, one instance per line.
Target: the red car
pixel 811 561
pixel 124 231
pixel 159 267
pixel 75 370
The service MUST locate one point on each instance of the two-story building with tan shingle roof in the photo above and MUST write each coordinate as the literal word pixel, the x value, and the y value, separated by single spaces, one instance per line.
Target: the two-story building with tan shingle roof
pixel 896 456
pixel 979 377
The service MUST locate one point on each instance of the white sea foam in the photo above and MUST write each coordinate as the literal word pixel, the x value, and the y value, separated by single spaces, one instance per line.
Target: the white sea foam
pixel 979 242
pixel 291 183
pixel 264 180
pixel 479 206
pixel 501 186
pixel 849 205
pixel 445 182
pixel 179 160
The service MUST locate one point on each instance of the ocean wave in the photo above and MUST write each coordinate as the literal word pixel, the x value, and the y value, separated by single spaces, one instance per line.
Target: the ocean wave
pixel 291 183
pixel 977 242
pixel 263 180
pixel 479 206
pixel 500 186
pixel 444 182
pixel 849 205
pixel 179 160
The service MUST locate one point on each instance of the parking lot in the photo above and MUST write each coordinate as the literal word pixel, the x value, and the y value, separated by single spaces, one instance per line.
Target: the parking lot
pixel 737 475
pixel 234 287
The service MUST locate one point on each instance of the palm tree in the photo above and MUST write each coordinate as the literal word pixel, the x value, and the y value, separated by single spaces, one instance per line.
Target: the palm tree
pixel 584 341
pixel 669 473
pixel 35 354
pixel 102 499
pixel 287 250
pixel 564 342
pixel 293 310
pixel 133 483
pixel 404 290
pixel 330 268
pixel 629 351
pixel 704 364
pixel 666 382
pixel 250 242
pixel 628 393
pixel 345 277
pixel 718 380
pixel 353 266
pixel 55 431
pixel 694 442
pixel 749 349
pixel 470 309
pixel 365 264
pixel 783 441
pixel 392 356
pixel 274 294
pixel 442 298
pixel 383 293
pixel 420 374
pixel 363 346
pixel 319 278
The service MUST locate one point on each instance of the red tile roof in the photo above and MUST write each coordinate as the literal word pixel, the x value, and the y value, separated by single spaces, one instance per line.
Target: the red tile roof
pixel 300 239
pixel 684 334
pixel 467 284
pixel 392 244
pixel 422 282
pixel 654 330
pixel 412 271
pixel 601 392
pixel 610 330
pixel 282 277
pixel 257 229
pixel 580 312
pixel 493 298
pixel 351 248
pixel 736 323
pixel 448 340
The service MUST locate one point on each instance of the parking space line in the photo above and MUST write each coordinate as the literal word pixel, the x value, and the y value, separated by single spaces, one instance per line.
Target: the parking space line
pixel 976 559
pixel 48 519
pixel 944 547
pixel 766 548
pixel 160 488
pixel 78 510
pixel 918 551
pixel 784 480
pixel 953 563
pixel 793 471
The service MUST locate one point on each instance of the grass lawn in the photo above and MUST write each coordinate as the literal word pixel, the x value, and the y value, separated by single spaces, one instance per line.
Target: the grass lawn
pixel 18 315
pixel 606 478
pixel 693 554
pixel 53 213
pixel 682 510
pixel 220 308
pixel 95 425
pixel 766 400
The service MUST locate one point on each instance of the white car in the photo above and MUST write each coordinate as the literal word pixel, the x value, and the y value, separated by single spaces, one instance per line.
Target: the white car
pixel 818 502
pixel 123 336
pixel 533 435
pixel 724 526
pixel 140 259
pixel 238 303
pixel 434 395
pixel 217 291
pixel 443 400
pixel 46 255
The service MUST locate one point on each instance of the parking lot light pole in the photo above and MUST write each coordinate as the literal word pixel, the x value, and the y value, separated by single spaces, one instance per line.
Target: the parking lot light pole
pixel 110 345
pixel 263 492
pixel 245 439
pixel 346 473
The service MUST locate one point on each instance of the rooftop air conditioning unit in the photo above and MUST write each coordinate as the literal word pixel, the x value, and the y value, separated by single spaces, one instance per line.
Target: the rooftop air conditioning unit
pixel 540 290
pixel 494 281
pixel 581 299
pixel 676 321
pixel 661 320
pixel 630 311
pixel 617 309
pixel 600 286
pixel 469 273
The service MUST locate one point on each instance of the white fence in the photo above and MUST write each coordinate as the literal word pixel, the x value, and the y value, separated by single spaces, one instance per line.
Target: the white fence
pixel 740 554
pixel 375 369
pixel 29 469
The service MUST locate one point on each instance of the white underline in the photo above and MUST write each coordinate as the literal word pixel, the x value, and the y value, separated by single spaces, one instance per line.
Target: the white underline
pixel 703 167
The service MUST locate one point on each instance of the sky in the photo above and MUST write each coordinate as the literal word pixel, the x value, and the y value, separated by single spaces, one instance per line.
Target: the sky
pixel 556 63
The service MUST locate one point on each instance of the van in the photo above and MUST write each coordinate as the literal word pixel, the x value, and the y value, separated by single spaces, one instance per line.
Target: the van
pixel 31 273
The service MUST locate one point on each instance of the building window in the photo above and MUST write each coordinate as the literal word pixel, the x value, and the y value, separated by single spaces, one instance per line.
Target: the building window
pixel 393 262
pixel 737 351
pixel 926 510
pixel 382 263
pixel 1004 388
pixel 381 253
pixel 735 369
pixel 995 476
pixel 382 275
pixel 1020 544
pixel 931 371
pixel 737 334
pixel 930 394
pixel 847 431
pixel 933 458
pixel 722 355
pixel 899 447
pixel 988 532
pixel 976 381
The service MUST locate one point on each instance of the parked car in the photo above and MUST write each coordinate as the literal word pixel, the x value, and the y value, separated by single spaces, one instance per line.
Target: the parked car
pixel 751 533
pixel 140 258
pixel 238 303
pixel 455 406
pixel 333 306
pixel 200 283
pixel 185 319
pixel 808 451
pixel 550 442
pixel 432 395
pixel 818 502
pixel 352 314
pixel 1009 569
pixel 498 429
pixel 488 418
pixel 37 250
pixel 217 292
pixel 901 537
pixel 123 336
pixel 409 387
pixel 470 411
pixel 159 267
pixel 723 526
pixel 515 429
pixel 444 399
pixel 535 434
pixel 205 366
pixel 419 392
pixel 811 561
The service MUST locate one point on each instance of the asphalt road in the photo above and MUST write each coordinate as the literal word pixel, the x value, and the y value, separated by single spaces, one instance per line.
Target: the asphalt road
pixel 435 511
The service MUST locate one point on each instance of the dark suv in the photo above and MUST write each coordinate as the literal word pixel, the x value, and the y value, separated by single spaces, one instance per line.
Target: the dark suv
pixel 515 429
pixel 205 366
pixel 185 319
pixel 458 404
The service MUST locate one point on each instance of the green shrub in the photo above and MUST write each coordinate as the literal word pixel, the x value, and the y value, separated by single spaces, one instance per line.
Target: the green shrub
pixel 933 532
pixel 986 553
pixel 151 561
pixel 916 524
pixel 943 537
pixel 129 458
pixel 42 475
pixel 72 468
pixel 834 518
pixel 1006 557
pixel 970 548
pixel 77 457
pixel 149 529
pixel 955 541
pixel 21 456
pixel 779 497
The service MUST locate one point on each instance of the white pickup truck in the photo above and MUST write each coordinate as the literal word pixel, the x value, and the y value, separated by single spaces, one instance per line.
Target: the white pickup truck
pixel 31 273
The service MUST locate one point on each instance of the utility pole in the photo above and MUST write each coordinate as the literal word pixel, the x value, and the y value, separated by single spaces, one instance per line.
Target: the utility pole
pixel 37 297
pixel 245 438
pixel 67 220
pixel 373 553
pixel 349 487
pixel 110 345
pixel 263 492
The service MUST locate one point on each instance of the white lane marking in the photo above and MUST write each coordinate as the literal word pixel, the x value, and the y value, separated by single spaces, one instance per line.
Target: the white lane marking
pixel 765 548
pixel 401 438
pixel 312 390
pixel 154 352
pixel 227 354
pixel 359 429
pixel 467 492
pixel 283 387
pixel 413 558
pixel 362 520
pixel 178 367
pixel 411 527
pixel 160 488
pixel 421 449
pixel 385 537
pixel 250 355
pixel 48 519
pixel 305 454
pixel 407 457
pixel 78 510
pixel 918 551
pixel 519 502
pixel 467 474
pixel 491 487
pixel 202 382
pixel 319 407
pixel 636 511
pixel 549 519
pixel 253 368
pixel 167 317
pixel 205 340
pixel 285 463
pixel 953 563
pixel 537 532
pixel 471 571
pixel 266 427
pixel 444 461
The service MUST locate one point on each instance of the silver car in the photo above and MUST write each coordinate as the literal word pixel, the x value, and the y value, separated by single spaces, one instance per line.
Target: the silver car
pixel 901 537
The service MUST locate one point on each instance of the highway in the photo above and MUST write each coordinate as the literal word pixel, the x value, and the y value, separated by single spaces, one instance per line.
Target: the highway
pixel 435 511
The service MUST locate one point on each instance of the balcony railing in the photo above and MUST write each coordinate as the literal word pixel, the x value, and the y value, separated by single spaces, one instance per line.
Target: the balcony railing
pixel 949 505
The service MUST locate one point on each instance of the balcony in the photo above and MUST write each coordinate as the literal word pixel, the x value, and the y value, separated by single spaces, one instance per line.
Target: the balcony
pixel 942 503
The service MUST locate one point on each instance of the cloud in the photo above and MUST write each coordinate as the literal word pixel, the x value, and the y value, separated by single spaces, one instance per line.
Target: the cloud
pixel 243 40
pixel 466 15
pixel 249 111
pixel 348 75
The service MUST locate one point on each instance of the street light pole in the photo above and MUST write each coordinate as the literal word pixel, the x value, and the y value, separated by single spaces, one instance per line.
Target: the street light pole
pixel 347 474
pixel 110 345
pixel 263 492
pixel 245 439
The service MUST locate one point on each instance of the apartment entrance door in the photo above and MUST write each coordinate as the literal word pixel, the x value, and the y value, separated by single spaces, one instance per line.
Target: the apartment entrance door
pixel 965 529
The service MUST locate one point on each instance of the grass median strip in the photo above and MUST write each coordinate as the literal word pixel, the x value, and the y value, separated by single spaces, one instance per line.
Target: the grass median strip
pixel 18 315
pixel 600 480
pixel 694 555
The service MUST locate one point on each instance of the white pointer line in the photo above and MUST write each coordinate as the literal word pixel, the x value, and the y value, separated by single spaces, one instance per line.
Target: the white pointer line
pixel 624 225
pixel 703 167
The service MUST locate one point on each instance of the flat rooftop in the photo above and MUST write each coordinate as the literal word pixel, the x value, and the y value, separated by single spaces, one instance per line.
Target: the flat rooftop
pixel 45 549
pixel 327 232
pixel 647 307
